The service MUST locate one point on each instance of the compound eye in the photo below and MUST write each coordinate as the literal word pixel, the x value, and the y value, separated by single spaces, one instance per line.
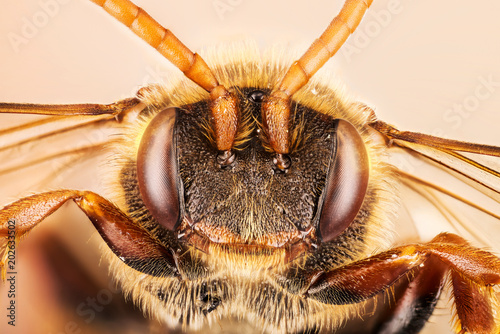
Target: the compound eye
pixel 346 184
pixel 157 169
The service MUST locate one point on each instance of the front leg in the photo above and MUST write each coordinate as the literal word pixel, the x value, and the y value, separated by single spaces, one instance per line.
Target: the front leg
pixel 133 245
pixel 473 272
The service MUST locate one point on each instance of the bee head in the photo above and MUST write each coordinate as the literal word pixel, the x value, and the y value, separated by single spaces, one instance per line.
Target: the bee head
pixel 249 197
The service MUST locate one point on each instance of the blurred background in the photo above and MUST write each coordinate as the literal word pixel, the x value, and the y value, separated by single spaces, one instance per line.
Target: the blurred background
pixel 425 66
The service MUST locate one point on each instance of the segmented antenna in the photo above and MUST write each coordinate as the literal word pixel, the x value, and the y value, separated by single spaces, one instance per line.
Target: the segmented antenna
pixel 276 110
pixel 224 106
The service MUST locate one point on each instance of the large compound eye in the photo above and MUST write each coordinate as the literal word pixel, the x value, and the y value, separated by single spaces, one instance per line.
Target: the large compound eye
pixel 346 184
pixel 157 169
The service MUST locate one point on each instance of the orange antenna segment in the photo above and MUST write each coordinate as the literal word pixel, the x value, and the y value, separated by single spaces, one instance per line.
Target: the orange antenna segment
pixel 325 46
pixel 277 109
pixel 224 105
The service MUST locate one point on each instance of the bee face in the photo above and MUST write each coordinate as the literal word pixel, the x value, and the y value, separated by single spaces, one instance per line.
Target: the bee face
pixel 245 222
pixel 420 84
pixel 248 200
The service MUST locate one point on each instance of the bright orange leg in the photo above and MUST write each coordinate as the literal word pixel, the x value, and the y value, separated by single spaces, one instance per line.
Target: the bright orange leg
pixel 473 273
pixel 133 245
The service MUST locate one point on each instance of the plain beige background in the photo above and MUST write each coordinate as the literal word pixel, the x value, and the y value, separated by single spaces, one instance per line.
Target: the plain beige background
pixel 413 67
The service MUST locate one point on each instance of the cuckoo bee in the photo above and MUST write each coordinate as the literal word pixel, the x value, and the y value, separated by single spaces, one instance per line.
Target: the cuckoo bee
pixel 265 194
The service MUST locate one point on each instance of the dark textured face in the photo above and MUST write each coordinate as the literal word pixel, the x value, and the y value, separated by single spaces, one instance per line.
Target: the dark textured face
pixel 246 238
pixel 251 201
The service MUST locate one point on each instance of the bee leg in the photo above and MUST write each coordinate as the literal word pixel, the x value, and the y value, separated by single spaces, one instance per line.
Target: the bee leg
pixel 133 245
pixel 473 272
pixel 70 109
pixel 413 306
